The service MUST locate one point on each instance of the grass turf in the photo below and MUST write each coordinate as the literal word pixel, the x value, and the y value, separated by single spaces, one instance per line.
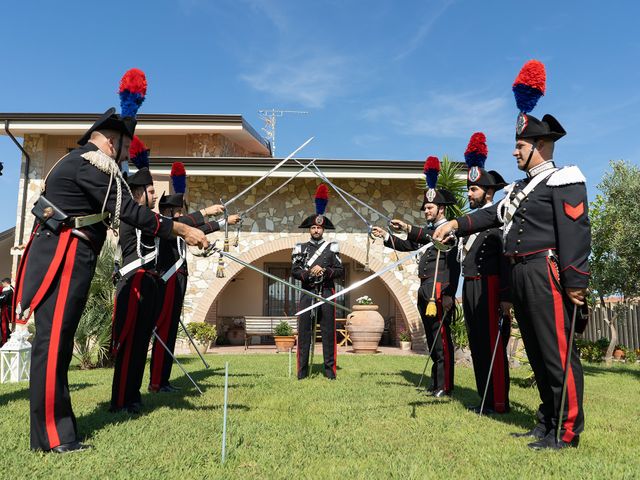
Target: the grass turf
pixel 370 423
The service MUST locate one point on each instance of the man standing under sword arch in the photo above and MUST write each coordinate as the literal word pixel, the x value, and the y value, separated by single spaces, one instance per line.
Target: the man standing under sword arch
pixel 316 264
pixel 439 273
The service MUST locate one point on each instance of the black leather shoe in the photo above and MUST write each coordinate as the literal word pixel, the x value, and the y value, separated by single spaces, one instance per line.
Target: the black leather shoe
pixel 441 394
pixel 132 408
pixel 549 442
pixel 168 389
pixel 70 447
pixel 485 411
pixel 537 432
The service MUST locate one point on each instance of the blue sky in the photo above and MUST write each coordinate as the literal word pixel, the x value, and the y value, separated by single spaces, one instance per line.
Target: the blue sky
pixel 381 79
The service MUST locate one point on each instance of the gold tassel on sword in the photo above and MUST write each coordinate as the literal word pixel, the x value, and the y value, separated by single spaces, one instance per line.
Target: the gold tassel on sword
pixel 432 309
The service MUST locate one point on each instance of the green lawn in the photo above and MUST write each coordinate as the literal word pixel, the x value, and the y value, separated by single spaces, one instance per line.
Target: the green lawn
pixel 370 423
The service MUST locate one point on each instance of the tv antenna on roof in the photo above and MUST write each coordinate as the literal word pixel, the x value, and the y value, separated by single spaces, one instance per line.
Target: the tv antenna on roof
pixel 269 129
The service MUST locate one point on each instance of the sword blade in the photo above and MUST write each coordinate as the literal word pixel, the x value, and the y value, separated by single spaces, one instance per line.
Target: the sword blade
pixel 567 366
pixel 278 279
pixel 493 359
pixel 155 334
pixel 229 202
pixel 280 187
pixel 321 175
pixel 341 191
pixel 359 283
pixel 433 345
pixel 193 343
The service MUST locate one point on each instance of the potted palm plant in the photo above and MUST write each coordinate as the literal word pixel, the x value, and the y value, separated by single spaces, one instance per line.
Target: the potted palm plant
pixel 283 335
pixel 203 333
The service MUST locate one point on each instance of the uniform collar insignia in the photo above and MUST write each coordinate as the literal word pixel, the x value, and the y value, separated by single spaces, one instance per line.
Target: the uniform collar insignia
pixel 538 169
pixel 440 222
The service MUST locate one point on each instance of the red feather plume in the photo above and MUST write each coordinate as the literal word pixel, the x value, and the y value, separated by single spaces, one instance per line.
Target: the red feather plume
pixel 432 163
pixel 177 169
pixel 322 192
pixel 533 75
pixel 137 147
pixel 135 81
pixel 478 144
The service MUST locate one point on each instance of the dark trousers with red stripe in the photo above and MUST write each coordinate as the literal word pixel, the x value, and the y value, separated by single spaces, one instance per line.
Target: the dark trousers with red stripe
pixel 327 321
pixel 56 319
pixel 135 312
pixel 5 324
pixel 481 301
pixel 544 317
pixel 442 356
pixel 167 329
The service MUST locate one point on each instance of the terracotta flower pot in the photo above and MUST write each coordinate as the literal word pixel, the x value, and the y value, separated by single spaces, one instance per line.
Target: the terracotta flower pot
pixel 365 326
pixel 202 346
pixel 618 354
pixel 285 343
pixel 235 336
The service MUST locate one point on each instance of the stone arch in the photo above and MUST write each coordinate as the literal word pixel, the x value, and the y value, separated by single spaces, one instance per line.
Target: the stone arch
pixel 347 248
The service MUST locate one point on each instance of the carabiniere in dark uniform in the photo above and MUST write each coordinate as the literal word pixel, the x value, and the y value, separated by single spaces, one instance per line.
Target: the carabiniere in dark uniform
pixel 304 257
pixel 446 284
pixel 58 264
pixel 485 271
pixel 173 271
pixel 137 303
pixel 547 240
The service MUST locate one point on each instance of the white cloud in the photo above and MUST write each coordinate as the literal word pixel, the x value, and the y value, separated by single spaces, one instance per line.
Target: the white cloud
pixel 366 140
pixel 430 20
pixel 310 81
pixel 446 115
pixel 271 11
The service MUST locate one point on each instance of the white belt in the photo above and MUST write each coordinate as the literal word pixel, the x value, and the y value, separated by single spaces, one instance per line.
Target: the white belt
pixel 129 267
pixel 174 268
pixel 87 220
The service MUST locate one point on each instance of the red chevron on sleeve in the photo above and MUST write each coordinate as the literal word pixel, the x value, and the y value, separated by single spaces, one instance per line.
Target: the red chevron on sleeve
pixel 574 213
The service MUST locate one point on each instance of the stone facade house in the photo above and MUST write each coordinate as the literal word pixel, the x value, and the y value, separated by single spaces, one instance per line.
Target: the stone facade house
pixel 223 154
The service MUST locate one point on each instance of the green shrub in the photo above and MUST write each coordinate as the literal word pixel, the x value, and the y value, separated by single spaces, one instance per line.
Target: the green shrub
pixel 458 328
pixel 404 336
pixel 93 336
pixel 283 329
pixel 592 351
pixel 630 355
pixel 202 331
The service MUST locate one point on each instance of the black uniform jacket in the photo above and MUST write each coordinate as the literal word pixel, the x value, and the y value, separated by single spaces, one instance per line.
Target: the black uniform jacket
pixel 78 188
pixel 448 266
pixel 169 253
pixel 128 241
pixel 486 257
pixel 553 216
pixel 328 259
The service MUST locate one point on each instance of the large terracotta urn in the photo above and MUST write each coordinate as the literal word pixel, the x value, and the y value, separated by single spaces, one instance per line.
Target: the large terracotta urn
pixel 365 326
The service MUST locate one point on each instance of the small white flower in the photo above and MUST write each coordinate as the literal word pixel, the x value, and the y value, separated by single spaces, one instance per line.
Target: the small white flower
pixel 364 300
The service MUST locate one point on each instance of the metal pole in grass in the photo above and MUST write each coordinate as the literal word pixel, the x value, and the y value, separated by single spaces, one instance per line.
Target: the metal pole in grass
pixel 290 362
pixel 224 415
pixel 155 334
